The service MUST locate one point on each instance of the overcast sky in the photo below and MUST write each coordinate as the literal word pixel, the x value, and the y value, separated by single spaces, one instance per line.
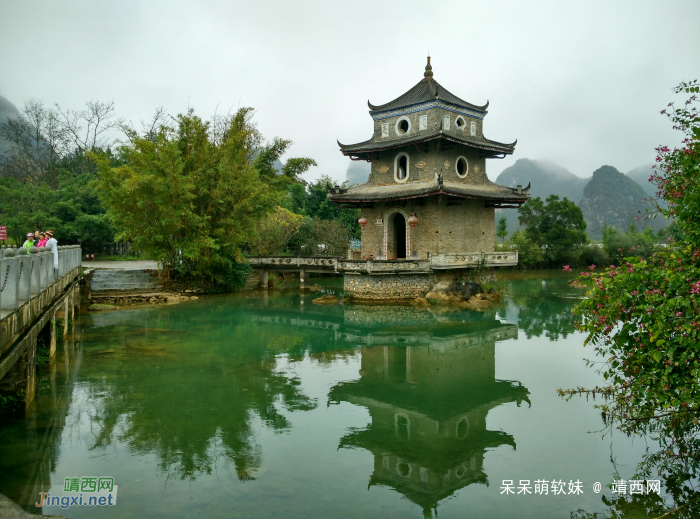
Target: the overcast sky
pixel 577 83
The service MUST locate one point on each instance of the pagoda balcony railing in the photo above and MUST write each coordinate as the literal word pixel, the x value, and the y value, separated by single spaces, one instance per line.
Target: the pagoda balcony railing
pixel 474 259
pixel 294 262
pixel 379 267
pixel 434 262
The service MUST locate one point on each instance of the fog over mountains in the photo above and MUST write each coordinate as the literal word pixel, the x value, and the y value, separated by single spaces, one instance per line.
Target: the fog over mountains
pixel 607 197
pixel 7 110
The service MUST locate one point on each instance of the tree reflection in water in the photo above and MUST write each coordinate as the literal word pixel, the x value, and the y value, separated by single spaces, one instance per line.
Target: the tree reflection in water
pixel 543 303
pixel 195 411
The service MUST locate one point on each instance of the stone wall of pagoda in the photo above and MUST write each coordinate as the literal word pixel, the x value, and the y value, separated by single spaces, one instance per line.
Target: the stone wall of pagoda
pixel 457 229
pixel 386 129
pixel 424 164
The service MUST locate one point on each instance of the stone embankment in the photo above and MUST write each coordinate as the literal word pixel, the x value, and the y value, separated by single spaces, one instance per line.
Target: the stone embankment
pixel 111 288
pixel 10 510
pixel 463 294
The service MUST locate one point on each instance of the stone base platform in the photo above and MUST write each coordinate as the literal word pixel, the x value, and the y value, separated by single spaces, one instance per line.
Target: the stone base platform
pixel 406 286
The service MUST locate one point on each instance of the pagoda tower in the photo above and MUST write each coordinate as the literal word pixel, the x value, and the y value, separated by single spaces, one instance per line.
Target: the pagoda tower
pixel 428 207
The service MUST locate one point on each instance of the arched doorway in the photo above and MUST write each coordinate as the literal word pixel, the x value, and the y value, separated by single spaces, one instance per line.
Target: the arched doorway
pixel 400 233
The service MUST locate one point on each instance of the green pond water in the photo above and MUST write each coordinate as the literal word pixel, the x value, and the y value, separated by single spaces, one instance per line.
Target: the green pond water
pixel 253 405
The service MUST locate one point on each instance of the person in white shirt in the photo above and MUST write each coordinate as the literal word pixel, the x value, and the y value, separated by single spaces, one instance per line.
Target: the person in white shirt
pixel 52 244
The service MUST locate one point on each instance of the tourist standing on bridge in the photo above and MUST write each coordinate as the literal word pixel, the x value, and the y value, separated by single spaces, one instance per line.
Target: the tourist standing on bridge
pixel 28 242
pixel 53 245
pixel 42 241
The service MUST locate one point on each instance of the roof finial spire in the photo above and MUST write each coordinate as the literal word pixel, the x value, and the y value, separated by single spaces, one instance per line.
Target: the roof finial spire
pixel 428 70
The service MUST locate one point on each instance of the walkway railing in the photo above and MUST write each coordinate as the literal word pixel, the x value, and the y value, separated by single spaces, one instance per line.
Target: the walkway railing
pixel 24 274
pixel 33 295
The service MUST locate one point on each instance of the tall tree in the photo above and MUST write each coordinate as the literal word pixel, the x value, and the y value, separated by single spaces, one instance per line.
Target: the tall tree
pixel 312 200
pixel 46 142
pixel 502 228
pixel 558 226
pixel 191 193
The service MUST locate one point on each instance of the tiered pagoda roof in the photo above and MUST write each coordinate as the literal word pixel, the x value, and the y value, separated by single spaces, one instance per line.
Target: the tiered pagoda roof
pixel 487 147
pixel 426 90
pixel 494 194
pixel 427 93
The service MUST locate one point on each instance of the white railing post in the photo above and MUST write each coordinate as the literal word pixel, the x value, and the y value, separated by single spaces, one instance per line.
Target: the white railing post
pixel 34 271
pixel 61 262
pixel 9 285
pixel 40 267
pixel 24 279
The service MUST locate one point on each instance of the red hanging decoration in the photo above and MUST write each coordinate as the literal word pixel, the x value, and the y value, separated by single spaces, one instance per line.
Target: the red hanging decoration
pixel 412 220
pixel 362 221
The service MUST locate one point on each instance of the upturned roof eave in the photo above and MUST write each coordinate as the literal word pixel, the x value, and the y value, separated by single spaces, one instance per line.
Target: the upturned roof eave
pixel 378 111
pixel 364 147
pixel 427 89
pixel 505 198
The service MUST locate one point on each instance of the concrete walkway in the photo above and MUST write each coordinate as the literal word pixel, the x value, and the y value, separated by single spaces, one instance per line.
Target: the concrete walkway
pixel 123 265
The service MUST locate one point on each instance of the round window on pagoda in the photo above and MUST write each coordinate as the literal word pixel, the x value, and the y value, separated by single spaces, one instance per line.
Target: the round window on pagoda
pixel 462 167
pixel 460 123
pixel 401 167
pixel 403 126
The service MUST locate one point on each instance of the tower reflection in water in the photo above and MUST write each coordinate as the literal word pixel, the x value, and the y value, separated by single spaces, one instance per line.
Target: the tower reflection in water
pixel 428 395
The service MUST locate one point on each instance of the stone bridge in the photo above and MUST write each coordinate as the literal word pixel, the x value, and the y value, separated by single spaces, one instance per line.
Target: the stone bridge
pixel 32 296
pixel 335 264
pixel 301 264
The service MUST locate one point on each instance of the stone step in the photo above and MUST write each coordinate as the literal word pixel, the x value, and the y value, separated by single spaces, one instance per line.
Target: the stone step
pixel 253 279
pixel 118 279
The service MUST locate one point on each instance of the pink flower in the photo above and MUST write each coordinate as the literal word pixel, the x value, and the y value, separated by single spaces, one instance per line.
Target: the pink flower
pixel 567 268
pixel 592 267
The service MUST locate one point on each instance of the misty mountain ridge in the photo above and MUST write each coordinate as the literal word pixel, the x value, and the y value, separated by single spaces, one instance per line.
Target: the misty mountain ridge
pixel 7 111
pixel 641 176
pixel 358 172
pixel 546 178
pixel 607 197
pixel 614 199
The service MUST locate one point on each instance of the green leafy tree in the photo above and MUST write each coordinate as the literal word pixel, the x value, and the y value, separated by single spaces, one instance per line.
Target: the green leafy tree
pixel 502 228
pixel 558 226
pixel 642 317
pixel 312 200
pixel 192 193
pixel 619 245
pixel 530 254
pixel 72 211
pixel 275 232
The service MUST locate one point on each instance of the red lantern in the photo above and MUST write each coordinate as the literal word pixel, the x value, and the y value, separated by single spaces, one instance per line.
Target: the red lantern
pixel 362 221
pixel 412 220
